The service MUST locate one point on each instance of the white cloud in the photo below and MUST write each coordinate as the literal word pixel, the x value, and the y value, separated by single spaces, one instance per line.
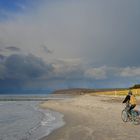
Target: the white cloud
pixel 96 73
pixel 130 72
pixel 68 69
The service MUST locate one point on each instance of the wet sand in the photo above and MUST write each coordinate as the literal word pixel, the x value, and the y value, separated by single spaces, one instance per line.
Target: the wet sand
pixel 92 118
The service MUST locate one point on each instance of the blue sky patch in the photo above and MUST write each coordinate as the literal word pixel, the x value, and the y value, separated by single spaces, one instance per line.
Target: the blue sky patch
pixel 12 5
pixel 8 7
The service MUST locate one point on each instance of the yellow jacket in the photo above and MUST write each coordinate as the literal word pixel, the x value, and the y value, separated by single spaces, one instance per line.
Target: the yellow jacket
pixel 132 100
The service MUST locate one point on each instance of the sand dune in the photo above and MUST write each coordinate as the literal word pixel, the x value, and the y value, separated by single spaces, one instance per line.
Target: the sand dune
pixel 92 118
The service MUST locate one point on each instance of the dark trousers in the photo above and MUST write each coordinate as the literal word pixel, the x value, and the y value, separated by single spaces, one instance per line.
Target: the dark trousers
pixel 131 107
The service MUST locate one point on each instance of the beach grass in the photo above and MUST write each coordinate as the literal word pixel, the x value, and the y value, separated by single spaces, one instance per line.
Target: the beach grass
pixel 136 92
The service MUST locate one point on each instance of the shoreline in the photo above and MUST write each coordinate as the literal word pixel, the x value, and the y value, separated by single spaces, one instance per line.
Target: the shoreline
pixel 91 118
pixel 51 121
pixel 69 119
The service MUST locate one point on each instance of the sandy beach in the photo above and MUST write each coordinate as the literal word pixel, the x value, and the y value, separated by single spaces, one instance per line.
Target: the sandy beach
pixel 92 118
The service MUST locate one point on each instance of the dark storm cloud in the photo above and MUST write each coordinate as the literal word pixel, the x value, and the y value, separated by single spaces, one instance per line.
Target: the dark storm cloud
pixel 12 48
pixel 26 67
pixel 46 50
pixel 22 68
pixel 2 57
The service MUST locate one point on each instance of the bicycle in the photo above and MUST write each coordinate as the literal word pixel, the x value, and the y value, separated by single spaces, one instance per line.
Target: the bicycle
pixel 132 116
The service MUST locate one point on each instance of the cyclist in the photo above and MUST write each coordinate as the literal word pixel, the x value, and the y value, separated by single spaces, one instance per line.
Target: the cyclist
pixel 130 98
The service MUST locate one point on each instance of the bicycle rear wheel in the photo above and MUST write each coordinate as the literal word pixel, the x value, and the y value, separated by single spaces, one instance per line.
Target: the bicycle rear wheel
pixel 135 117
pixel 124 115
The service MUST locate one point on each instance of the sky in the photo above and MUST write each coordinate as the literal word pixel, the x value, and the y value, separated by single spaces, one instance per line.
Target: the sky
pixel 69 43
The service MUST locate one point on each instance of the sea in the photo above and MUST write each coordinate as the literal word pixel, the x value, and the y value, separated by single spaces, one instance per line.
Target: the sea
pixel 24 120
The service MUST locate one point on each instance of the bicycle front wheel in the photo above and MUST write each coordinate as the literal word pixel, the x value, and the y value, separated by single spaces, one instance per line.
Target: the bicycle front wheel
pixel 124 115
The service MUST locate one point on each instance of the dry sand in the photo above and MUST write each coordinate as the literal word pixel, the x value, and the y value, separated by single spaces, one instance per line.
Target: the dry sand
pixel 92 118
